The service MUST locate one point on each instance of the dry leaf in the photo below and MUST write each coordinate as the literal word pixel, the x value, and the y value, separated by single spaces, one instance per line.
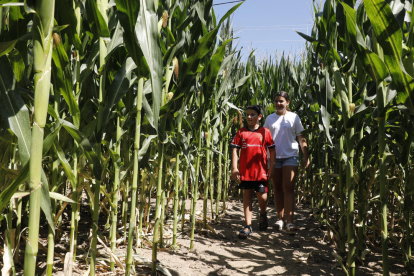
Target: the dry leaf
pixel 5 271
pixel 111 254
pixel 67 268
pixel 211 229
pixel 337 257
pixel 147 262
pixel 303 258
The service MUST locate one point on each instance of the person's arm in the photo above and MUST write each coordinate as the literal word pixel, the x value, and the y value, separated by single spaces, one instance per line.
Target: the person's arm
pixel 235 174
pixel 304 146
pixel 272 152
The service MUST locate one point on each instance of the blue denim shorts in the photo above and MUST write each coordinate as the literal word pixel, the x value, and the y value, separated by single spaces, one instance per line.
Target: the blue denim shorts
pixel 290 161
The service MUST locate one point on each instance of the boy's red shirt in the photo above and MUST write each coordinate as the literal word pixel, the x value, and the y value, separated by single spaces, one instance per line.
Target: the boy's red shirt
pixel 253 145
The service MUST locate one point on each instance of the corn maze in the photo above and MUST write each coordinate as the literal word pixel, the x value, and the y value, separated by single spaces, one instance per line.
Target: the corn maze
pixel 122 102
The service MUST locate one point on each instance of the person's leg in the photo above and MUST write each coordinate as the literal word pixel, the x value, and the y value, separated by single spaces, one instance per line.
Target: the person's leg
pixel 289 179
pixel 277 182
pixel 248 206
pixel 262 198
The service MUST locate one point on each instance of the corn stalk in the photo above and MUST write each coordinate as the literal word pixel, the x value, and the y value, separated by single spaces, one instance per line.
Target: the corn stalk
pixel 42 51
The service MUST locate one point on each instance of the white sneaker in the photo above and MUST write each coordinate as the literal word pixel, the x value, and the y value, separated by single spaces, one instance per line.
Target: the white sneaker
pixel 291 229
pixel 278 225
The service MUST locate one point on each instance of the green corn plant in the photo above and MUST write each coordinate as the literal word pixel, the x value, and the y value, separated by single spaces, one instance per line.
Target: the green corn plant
pixel 98 11
pixel 42 50
pixel 349 47
pixel 16 117
pixel 128 14
pixel 134 185
pixel 147 35
pixel 63 87
pixel 114 211
pixel 55 171
pixel 195 186
pixel 177 179
pixel 388 35
pixel 185 188
pixel 208 174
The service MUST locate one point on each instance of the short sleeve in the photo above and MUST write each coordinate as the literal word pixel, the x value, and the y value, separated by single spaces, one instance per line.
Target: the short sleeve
pixel 269 139
pixel 298 126
pixel 235 143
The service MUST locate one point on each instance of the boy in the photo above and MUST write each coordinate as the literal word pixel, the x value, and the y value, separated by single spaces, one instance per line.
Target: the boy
pixel 252 143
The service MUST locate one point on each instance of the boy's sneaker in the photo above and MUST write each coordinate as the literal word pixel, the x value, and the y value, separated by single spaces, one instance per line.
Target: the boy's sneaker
pixel 278 225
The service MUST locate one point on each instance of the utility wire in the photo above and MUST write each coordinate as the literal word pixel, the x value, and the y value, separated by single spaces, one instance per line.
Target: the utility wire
pixel 274 26
pixel 257 41
pixel 224 3
pixel 274 29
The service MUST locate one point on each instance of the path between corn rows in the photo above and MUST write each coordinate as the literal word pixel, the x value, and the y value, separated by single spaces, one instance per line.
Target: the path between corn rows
pixel 263 253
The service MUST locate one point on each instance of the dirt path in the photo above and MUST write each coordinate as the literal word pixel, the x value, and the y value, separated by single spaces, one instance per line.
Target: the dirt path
pixel 220 252
pixel 263 253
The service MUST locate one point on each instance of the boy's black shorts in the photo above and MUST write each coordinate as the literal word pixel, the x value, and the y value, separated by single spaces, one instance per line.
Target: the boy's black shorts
pixel 258 186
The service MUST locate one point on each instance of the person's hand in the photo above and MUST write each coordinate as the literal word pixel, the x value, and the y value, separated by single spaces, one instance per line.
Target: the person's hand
pixel 235 174
pixel 305 162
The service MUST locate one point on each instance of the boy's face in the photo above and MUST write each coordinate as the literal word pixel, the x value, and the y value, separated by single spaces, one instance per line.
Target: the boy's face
pixel 252 118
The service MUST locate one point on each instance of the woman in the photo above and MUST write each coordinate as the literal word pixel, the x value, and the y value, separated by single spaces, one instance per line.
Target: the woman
pixel 285 127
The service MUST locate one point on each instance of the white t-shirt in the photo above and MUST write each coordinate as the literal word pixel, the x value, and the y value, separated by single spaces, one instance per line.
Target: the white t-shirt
pixel 284 129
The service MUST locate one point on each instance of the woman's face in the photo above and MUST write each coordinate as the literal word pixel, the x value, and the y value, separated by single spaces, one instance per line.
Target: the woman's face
pixel 281 103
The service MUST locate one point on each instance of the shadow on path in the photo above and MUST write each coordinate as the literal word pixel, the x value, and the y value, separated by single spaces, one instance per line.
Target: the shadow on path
pixel 270 252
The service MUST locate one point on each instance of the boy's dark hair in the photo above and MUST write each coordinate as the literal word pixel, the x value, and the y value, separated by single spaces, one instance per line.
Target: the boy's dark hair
pixel 256 108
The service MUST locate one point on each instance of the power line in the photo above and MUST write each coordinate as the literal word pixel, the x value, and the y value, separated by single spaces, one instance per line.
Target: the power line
pixel 273 29
pixel 224 3
pixel 274 26
pixel 256 41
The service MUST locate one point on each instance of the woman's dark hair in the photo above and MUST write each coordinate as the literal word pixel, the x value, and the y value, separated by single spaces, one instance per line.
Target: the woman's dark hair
pixel 284 95
pixel 256 108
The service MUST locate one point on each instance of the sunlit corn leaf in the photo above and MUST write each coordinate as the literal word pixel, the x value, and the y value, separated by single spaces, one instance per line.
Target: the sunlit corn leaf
pixel 146 31
pixel 96 21
pixel 373 65
pixel 390 37
pixel 116 91
pixel 13 110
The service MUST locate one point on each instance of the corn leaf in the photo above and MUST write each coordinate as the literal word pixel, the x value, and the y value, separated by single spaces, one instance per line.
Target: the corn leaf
pixel 390 37
pixel 90 63
pixel 95 20
pixel 13 110
pixel 116 41
pixel 85 146
pixel 65 164
pixel 6 47
pixel 116 91
pixel 7 194
pixel 66 15
pixel 203 46
pixel 371 62
pixel 60 197
pixel 62 76
pixel 128 14
pixel 326 102
pixel 146 30
pixel 145 145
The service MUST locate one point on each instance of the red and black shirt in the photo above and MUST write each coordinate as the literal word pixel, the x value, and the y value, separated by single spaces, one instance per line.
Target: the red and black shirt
pixel 253 145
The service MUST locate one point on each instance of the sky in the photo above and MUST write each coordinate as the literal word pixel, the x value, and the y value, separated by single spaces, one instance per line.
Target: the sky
pixel 268 25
